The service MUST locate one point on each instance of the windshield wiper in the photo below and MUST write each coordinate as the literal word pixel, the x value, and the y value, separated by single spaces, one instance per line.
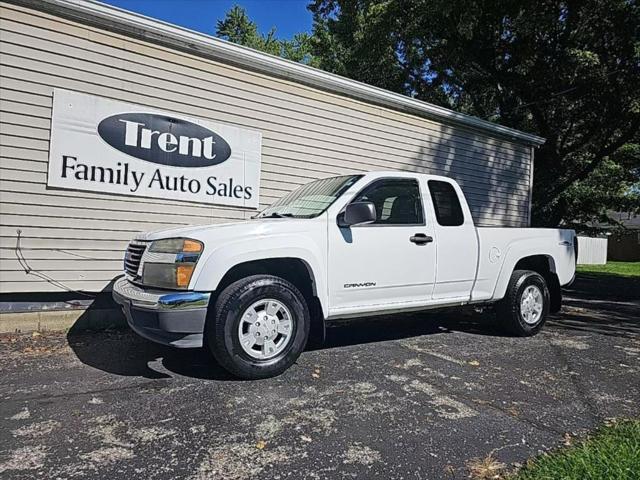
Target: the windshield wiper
pixel 277 215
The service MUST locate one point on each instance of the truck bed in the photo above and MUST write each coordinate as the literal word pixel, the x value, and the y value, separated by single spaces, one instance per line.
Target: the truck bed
pixel 499 246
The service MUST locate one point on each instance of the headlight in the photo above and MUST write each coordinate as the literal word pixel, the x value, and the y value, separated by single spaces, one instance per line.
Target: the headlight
pixel 176 245
pixel 171 263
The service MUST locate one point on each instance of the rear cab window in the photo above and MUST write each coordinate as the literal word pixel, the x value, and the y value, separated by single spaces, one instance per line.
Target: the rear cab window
pixel 446 204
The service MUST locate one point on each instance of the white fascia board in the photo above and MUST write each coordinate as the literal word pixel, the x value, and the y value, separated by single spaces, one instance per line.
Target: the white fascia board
pixel 157 31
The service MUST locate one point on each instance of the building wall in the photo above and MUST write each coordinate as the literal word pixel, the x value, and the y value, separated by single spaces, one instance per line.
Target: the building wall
pixel 77 238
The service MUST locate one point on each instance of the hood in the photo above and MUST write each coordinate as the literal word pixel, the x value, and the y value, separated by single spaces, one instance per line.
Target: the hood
pixel 221 232
pixel 188 231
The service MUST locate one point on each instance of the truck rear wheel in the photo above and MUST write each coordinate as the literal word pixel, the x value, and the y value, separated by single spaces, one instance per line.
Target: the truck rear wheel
pixel 525 306
pixel 259 327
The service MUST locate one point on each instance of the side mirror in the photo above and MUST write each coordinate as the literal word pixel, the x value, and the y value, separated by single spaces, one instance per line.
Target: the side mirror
pixel 357 213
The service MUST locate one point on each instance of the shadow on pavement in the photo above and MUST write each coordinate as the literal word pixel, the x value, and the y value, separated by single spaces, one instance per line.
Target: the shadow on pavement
pixel 605 286
pixel 121 352
pixel 604 317
pixel 595 305
pixel 399 326
pixel 601 303
pixel 101 339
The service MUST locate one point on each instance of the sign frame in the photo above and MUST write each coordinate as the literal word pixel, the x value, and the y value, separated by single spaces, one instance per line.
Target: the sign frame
pixel 151 153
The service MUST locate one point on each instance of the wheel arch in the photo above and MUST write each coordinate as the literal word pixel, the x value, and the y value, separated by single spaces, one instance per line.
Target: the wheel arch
pixel 295 270
pixel 543 264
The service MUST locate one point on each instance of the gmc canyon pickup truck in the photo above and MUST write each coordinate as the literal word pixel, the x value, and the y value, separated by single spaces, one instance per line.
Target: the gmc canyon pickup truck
pixel 340 247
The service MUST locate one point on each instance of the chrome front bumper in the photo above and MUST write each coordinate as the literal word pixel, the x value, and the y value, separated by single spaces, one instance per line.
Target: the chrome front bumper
pixel 169 318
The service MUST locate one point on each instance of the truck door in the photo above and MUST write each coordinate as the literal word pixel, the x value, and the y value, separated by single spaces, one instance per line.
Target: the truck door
pixel 456 242
pixel 389 261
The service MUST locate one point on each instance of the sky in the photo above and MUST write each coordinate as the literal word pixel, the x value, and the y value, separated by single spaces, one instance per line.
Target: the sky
pixel 288 16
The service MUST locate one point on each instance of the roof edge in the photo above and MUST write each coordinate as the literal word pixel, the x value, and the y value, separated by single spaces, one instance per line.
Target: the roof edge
pixel 157 31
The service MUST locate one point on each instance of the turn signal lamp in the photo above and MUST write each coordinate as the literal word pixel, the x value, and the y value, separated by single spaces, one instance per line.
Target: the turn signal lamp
pixel 183 274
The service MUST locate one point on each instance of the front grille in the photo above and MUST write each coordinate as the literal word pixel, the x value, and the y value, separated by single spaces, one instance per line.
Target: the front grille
pixel 132 258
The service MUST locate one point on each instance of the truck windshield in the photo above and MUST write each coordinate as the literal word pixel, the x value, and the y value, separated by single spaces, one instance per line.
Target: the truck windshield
pixel 310 200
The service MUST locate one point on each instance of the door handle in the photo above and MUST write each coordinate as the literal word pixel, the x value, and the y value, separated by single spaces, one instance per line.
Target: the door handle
pixel 420 239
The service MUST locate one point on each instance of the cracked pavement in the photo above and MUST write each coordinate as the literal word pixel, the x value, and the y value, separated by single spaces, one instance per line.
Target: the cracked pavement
pixel 404 397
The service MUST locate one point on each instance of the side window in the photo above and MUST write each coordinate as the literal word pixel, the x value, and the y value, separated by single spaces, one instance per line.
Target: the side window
pixel 446 204
pixel 397 201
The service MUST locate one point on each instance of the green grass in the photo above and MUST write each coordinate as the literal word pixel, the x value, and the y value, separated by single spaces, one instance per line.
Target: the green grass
pixel 611 453
pixel 622 269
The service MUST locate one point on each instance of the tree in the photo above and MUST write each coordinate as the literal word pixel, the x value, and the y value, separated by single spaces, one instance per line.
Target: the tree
pixel 565 70
pixel 614 183
pixel 238 28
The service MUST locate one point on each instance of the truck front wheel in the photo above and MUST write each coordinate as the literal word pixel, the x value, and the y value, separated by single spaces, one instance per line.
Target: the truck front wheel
pixel 525 306
pixel 259 327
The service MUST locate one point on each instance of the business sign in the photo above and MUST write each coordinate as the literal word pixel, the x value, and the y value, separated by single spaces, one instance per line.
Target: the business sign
pixel 102 146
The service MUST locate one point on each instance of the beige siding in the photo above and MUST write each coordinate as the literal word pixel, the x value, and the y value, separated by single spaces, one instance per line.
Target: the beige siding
pixel 78 237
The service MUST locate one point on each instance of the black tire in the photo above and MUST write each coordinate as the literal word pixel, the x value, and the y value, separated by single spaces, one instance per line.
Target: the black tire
pixel 509 308
pixel 222 326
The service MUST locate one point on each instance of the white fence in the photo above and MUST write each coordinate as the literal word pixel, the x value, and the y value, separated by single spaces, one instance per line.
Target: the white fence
pixel 592 251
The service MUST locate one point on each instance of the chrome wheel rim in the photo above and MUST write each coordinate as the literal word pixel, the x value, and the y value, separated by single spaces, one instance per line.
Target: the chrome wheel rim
pixel 531 305
pixel 265 329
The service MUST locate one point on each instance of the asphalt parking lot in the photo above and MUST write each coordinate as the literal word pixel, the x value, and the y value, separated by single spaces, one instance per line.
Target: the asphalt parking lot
pixel 404 397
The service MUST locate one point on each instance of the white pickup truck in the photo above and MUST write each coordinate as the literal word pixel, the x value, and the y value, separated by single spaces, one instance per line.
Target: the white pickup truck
pixel 347 246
